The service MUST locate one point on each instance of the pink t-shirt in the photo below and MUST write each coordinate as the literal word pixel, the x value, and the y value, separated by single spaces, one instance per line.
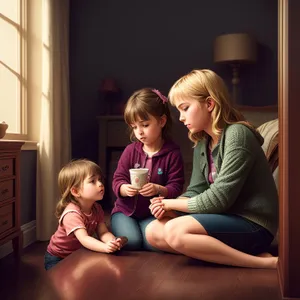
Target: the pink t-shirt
pixel 63 242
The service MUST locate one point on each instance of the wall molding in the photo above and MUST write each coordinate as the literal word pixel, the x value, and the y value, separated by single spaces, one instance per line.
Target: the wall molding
pixel 29 233
pixel 29 237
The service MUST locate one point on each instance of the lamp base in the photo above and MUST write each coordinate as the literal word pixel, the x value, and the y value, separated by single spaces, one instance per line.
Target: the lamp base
pixel 235 81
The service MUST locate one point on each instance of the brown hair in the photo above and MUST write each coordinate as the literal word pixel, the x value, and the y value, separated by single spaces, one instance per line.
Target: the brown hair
pixel 201 85
pixel 144 103
pixel 73 175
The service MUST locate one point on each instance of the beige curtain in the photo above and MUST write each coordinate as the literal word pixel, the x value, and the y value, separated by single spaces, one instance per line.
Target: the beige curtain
pixel 54 134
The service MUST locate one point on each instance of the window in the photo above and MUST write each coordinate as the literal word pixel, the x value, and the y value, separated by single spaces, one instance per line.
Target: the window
pixel 13 67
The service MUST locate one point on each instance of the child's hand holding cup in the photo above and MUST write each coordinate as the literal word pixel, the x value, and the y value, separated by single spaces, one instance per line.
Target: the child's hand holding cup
pixel 138 177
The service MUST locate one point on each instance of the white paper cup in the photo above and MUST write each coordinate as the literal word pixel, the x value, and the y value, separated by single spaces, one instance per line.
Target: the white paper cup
pixel 138 177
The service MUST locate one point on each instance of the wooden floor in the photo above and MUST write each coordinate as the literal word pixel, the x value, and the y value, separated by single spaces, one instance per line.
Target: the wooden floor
pixel 130 275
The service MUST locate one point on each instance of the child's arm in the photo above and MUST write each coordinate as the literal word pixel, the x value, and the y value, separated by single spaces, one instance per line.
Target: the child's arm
pixel 106 236
pixel 126 190
pixel 152 189
pixel 175 176
pixel 161 208
pixel 103 233
pixel 173 186
pixel 91 243
pixel 121 175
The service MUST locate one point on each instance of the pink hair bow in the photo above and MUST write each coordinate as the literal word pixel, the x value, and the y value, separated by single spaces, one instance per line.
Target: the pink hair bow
pixel 163 98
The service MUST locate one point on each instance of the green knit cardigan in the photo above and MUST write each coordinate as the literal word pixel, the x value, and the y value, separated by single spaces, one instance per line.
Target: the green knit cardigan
pixel 244 184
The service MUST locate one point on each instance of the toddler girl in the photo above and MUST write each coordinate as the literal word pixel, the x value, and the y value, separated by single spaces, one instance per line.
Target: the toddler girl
pixel 80 184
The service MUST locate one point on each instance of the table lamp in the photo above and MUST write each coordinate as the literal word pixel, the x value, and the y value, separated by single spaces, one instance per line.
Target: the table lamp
pixel 235 49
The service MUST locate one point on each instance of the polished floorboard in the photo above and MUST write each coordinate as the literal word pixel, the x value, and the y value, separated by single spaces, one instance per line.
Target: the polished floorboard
pixel 130 275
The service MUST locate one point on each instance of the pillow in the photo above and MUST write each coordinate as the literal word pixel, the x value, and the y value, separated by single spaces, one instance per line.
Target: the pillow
pixel 269 131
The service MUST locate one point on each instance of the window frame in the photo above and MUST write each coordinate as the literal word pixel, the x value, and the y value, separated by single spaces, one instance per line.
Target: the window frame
pixel 22 114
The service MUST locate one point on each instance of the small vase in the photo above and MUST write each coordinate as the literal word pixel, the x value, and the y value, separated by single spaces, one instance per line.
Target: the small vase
pixel 3 127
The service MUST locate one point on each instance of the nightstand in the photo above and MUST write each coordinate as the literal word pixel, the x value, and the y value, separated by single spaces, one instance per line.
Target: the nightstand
pixel 113 137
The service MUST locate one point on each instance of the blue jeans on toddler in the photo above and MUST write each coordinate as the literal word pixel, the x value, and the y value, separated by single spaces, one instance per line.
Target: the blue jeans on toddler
pixel 51 260
pixel 133 229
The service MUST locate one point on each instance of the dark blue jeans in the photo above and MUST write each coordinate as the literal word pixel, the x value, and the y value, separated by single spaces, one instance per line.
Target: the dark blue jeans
pixel 51 260
pixel 133 229
pixel 236 232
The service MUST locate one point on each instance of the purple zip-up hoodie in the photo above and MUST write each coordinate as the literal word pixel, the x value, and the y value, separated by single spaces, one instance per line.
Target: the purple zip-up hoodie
pixel 167 170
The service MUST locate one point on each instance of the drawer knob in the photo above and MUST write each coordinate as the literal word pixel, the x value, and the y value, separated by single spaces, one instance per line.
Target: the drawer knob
pixel 5 168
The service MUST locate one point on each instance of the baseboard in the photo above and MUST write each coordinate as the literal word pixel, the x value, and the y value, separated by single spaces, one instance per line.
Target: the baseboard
pixel 29 233
pixel 29 237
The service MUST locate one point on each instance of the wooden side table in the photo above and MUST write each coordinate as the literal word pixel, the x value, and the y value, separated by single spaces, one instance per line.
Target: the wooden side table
pixel 10 227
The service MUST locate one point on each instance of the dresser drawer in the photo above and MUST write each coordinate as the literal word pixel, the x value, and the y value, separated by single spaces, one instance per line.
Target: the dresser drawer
pixel 6 217
pixel 6 189
pixel 6 167
pixel 117 134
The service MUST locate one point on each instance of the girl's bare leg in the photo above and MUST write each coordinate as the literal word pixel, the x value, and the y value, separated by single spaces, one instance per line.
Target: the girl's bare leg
pixel 155 235
pixel 188 236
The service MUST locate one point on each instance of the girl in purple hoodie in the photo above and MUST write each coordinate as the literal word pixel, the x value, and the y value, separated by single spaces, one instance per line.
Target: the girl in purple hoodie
pixel 148 117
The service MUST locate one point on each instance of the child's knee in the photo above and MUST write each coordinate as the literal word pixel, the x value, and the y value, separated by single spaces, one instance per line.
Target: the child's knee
pixel 154 234
pixel 173 234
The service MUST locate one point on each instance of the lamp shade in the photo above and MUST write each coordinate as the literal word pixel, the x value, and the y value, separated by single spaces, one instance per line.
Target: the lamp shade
pixel 236 47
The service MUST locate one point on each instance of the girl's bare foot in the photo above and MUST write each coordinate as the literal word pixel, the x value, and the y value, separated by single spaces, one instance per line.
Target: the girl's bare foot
pixel 265 254
pixel 275 262
pixel 270 261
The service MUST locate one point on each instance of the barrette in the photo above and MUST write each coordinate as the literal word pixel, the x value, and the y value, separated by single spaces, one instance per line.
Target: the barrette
pixel 163 98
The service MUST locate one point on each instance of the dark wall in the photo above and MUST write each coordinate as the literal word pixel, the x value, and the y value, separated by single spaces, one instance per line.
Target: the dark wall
pixel 153 43
pixel 28 185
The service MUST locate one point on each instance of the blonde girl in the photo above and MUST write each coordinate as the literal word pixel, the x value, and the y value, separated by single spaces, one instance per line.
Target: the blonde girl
pixel 229 212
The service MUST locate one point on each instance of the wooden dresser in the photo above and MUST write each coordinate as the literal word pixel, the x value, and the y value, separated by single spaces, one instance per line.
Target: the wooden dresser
pixel 10 227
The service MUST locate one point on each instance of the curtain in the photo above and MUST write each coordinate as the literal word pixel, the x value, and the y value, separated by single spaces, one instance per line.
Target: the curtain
pixel 54 133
